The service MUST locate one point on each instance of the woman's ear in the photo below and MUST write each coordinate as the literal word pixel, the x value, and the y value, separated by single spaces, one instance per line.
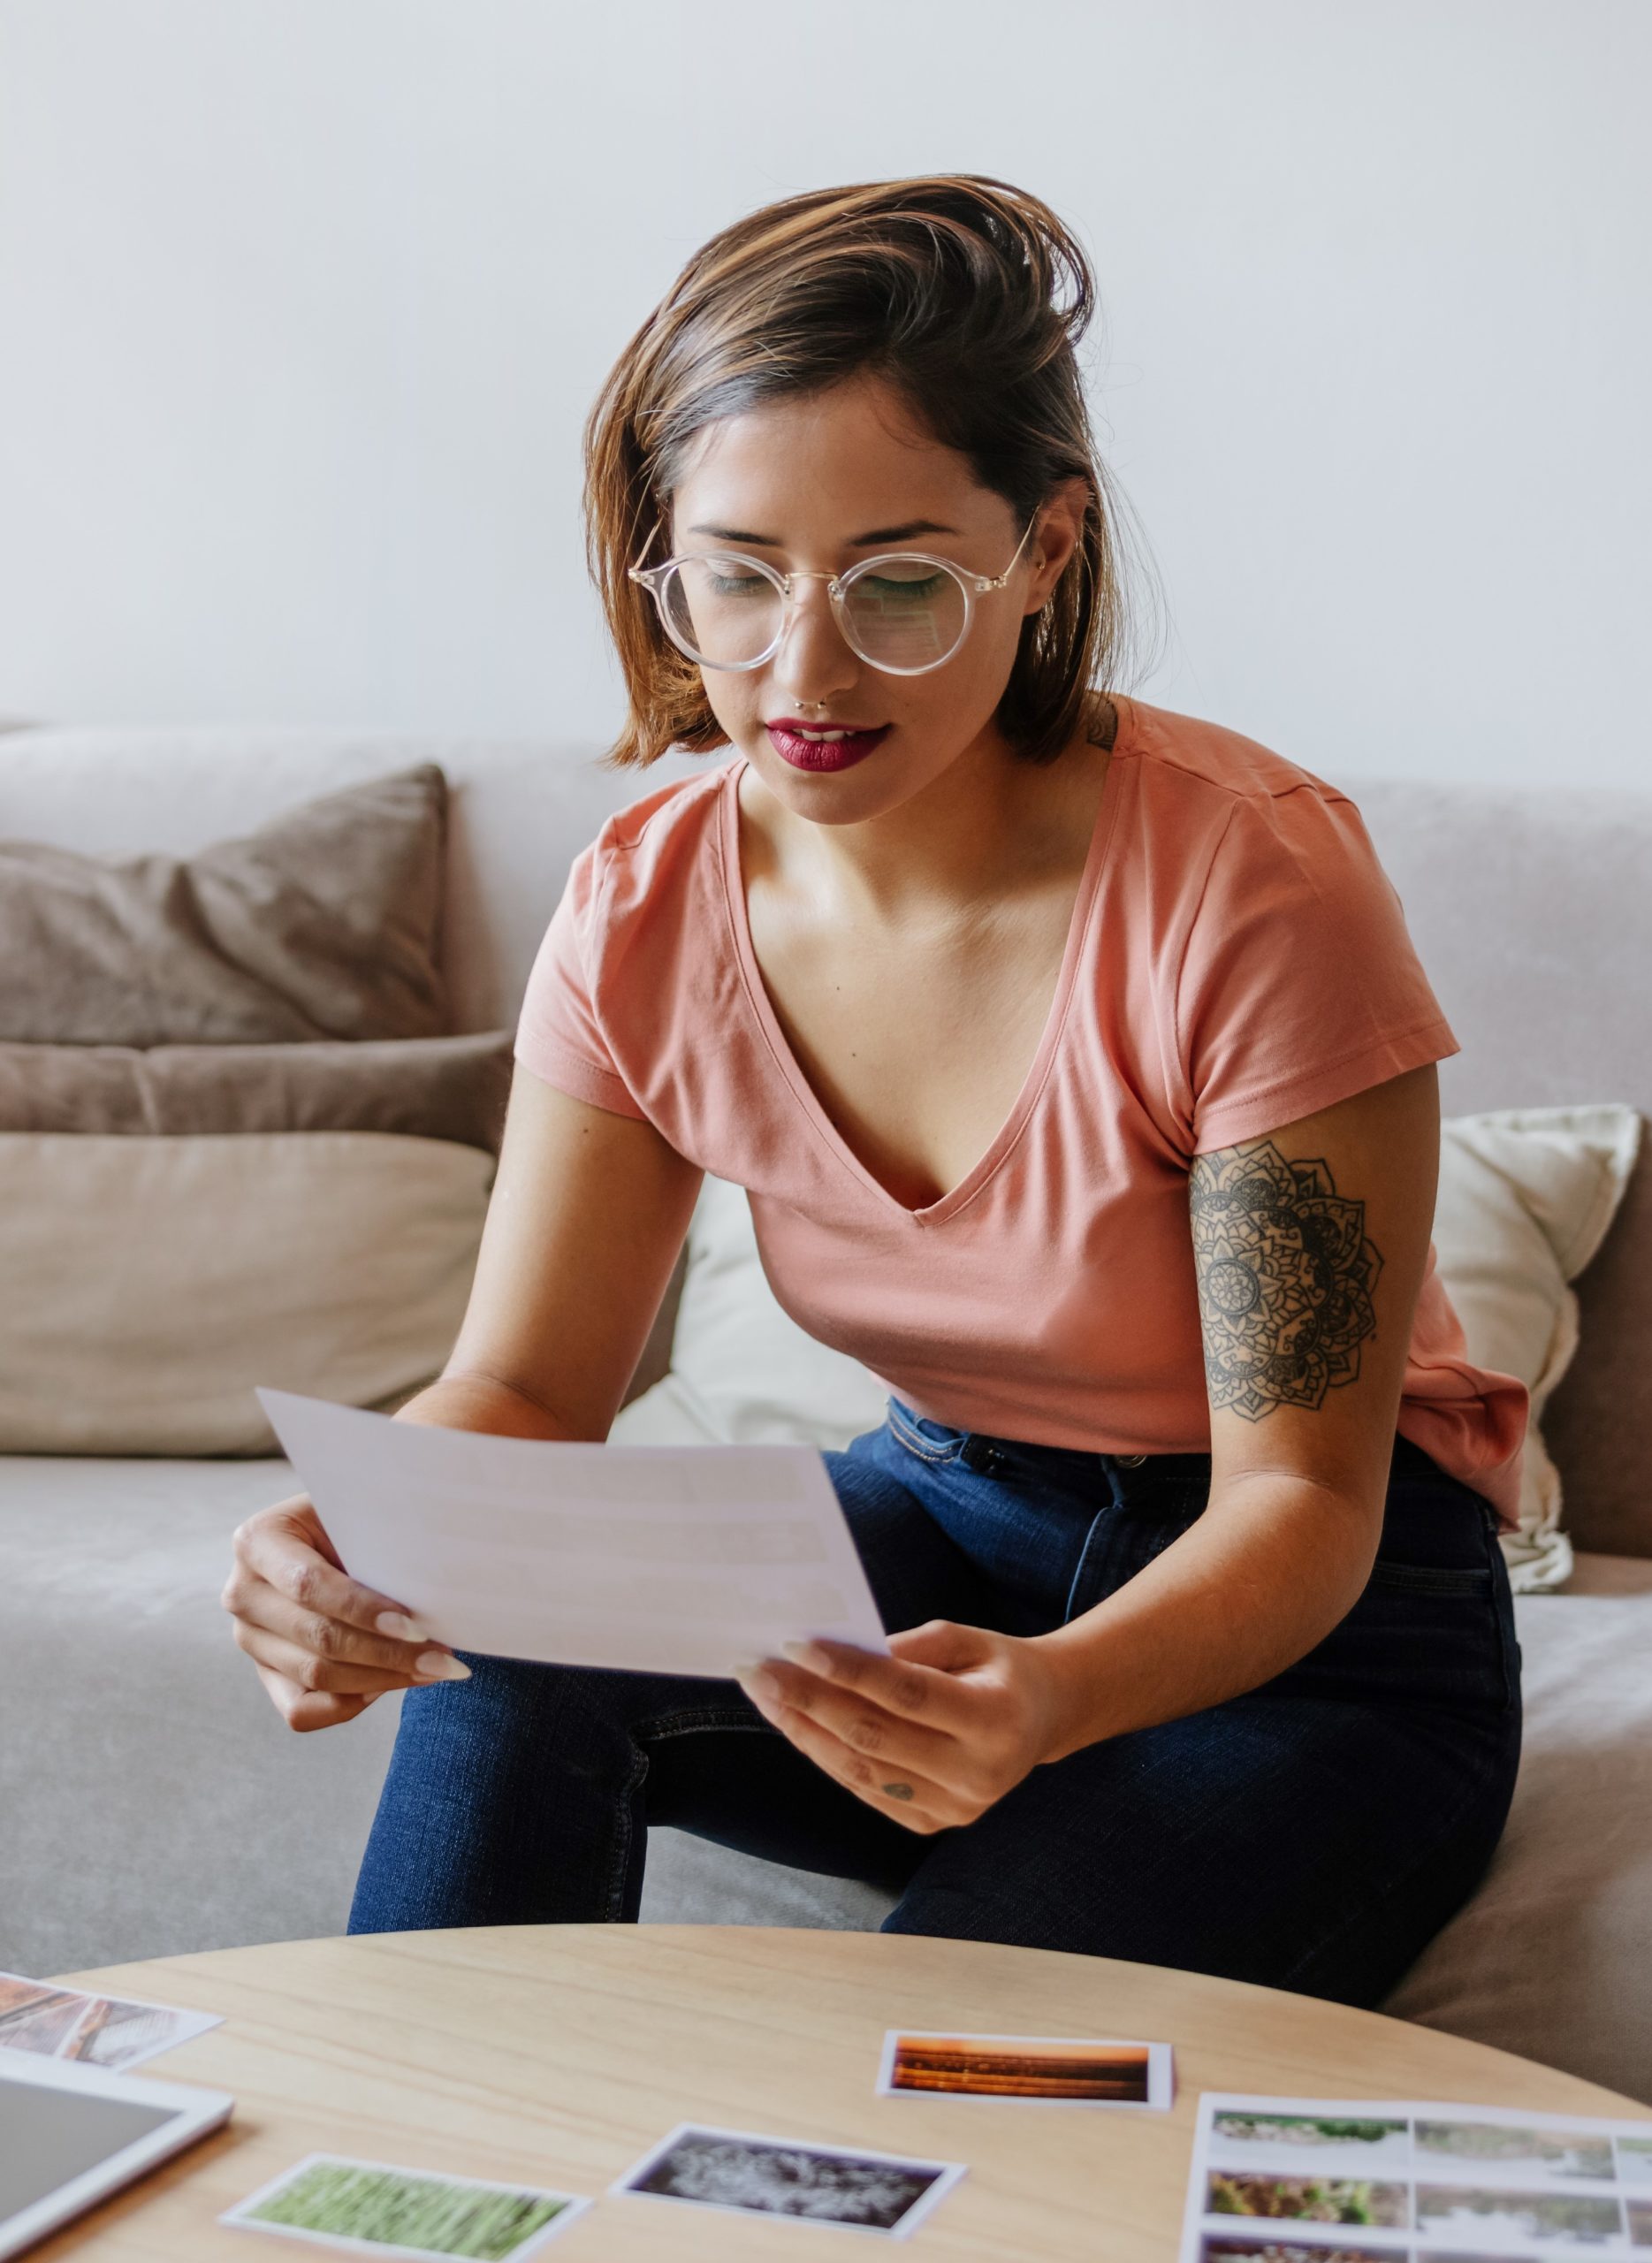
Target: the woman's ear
pixel 1057 538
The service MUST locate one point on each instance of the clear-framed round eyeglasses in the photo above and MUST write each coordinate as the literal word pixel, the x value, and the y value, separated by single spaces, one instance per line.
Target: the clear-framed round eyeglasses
pixel 904 611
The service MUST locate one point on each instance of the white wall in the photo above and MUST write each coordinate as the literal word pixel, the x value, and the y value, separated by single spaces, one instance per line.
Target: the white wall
pixel 302 302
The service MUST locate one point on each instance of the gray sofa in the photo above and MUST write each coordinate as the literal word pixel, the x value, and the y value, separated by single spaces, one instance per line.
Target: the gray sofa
pixel 150 1801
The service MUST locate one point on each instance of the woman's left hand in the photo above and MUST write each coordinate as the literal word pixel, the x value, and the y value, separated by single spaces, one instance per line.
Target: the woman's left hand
pixel 931 1735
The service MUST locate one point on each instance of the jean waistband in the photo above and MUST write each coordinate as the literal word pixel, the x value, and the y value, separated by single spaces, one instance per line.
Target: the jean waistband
pixel 1132 1474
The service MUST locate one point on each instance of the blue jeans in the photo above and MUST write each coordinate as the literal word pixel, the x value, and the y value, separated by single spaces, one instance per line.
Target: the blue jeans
pixel 1311 1834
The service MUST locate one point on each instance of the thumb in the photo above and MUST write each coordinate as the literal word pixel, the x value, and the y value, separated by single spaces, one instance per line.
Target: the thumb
pixel 942 1644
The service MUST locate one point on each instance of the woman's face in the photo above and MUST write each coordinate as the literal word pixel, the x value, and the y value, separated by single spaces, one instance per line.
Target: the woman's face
pixel 820 482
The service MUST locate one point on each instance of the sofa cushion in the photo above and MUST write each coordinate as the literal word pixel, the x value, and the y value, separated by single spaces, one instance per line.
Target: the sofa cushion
pixel 154 1801
pixel 324 923
pixel 151 1282
pixel 742 1372
pixel 1553 1956
pixel 1526 1199
pixel 434 1087
pixel 1598 1424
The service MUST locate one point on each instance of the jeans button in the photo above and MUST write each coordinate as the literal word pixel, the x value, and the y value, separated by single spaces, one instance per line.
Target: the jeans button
pixel 1129 1460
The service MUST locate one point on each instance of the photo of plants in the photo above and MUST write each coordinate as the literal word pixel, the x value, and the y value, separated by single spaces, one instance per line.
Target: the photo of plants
pixel 1305 2129
pixel 787 2180
pixel 1308 2199
pixel 355 2200
pixel 1219 2247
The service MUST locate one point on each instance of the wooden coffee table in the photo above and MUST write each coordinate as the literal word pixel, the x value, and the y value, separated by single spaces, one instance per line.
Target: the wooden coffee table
pixel 557 2055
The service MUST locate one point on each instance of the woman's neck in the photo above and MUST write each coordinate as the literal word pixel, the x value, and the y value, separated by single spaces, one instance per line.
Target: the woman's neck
pixel 989 821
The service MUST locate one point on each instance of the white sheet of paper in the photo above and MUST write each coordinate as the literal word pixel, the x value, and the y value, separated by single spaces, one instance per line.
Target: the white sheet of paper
pixel 665 1559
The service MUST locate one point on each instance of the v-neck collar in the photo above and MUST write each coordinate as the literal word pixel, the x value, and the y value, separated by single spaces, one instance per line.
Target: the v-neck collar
pixel 814 1116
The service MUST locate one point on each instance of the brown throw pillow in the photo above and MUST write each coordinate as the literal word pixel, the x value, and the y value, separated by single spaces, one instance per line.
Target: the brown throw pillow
pixel 438 1087
pixel 325 922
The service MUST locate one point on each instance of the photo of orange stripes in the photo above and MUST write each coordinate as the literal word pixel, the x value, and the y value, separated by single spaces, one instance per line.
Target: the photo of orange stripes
pixel 1015 2067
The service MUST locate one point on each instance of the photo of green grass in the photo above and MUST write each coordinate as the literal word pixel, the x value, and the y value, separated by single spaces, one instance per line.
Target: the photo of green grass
pixel 389 2208
pixel 1305 2128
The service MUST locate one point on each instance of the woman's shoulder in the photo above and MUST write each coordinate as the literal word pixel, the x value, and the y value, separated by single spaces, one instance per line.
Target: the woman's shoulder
pixel 1190 760
pixel 665 841
pixel 670 815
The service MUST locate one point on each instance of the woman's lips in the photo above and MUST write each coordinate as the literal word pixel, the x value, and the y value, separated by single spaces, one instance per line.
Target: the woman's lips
pixel 824 754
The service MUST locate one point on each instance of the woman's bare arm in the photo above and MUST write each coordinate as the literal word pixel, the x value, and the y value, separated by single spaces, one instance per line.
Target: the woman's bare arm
pixel 588 1213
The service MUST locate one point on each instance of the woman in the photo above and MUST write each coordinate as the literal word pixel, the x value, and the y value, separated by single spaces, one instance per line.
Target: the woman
pixel 1080 1070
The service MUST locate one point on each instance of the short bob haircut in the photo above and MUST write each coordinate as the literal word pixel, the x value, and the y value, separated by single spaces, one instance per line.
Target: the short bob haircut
pixel 968 295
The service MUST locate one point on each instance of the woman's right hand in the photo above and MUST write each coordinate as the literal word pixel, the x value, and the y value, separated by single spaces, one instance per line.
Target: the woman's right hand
pixel 323 1645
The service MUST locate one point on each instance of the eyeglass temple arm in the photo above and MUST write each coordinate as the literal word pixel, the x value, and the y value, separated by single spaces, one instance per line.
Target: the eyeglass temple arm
pixel 998 580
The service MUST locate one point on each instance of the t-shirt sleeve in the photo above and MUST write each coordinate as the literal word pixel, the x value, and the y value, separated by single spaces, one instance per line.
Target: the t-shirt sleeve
pixel 558 1033
pixel 1299 984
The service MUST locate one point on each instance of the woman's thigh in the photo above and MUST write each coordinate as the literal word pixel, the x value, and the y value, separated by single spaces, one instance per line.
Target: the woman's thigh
pixel 524 1794
pixel 1313 1835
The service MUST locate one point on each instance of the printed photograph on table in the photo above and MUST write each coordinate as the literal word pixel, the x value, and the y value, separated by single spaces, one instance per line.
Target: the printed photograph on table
pixel 1376 2181
pixel 112 2031
pixel 1471 2147
pixel 1323 2144
pixel 1499 2217
pixel 1310 2199
pixel 757 2174
pixel 1227 2247
pixel 1040 2069
pixel 369 2208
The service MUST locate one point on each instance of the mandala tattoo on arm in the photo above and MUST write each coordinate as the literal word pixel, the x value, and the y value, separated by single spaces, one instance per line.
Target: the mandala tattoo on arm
pixel 1285 1279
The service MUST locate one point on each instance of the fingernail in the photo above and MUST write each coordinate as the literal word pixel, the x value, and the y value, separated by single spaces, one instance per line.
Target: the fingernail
pixel 403 1628
pixel 441 1666
pixel 807 1655
pixel 760 1685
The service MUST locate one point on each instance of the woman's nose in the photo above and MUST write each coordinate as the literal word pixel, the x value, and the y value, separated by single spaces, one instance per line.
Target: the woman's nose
pixel 813 664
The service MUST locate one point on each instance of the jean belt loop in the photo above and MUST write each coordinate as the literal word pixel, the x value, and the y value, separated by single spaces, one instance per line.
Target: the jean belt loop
pixel 980 1454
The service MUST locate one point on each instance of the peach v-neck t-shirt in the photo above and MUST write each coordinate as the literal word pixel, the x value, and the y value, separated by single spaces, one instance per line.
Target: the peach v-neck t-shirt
pixel 1236 958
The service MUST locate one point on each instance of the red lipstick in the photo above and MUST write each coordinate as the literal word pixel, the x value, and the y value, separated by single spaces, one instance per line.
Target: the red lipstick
pixel 823 754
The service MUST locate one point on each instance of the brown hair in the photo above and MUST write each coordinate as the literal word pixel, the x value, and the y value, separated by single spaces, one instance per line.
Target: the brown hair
pixel 967 295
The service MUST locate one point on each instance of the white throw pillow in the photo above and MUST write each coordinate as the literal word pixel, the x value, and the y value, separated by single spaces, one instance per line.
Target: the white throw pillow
pixel 151 1282
pixel 1525 1199
pixel 742 1372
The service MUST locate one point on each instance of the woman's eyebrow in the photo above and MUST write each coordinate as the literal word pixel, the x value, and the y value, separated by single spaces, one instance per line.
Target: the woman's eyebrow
pixel 856 542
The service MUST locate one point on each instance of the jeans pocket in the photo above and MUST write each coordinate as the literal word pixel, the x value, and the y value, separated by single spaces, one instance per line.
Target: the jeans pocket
pixel 1429 1634
pixel 1396 1578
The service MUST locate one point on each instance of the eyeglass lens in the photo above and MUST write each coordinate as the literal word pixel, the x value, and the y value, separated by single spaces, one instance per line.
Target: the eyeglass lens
pixel 907 614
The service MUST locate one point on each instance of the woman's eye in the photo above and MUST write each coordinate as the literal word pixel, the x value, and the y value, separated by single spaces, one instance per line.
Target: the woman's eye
pixel 735 585
pixel 901 585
